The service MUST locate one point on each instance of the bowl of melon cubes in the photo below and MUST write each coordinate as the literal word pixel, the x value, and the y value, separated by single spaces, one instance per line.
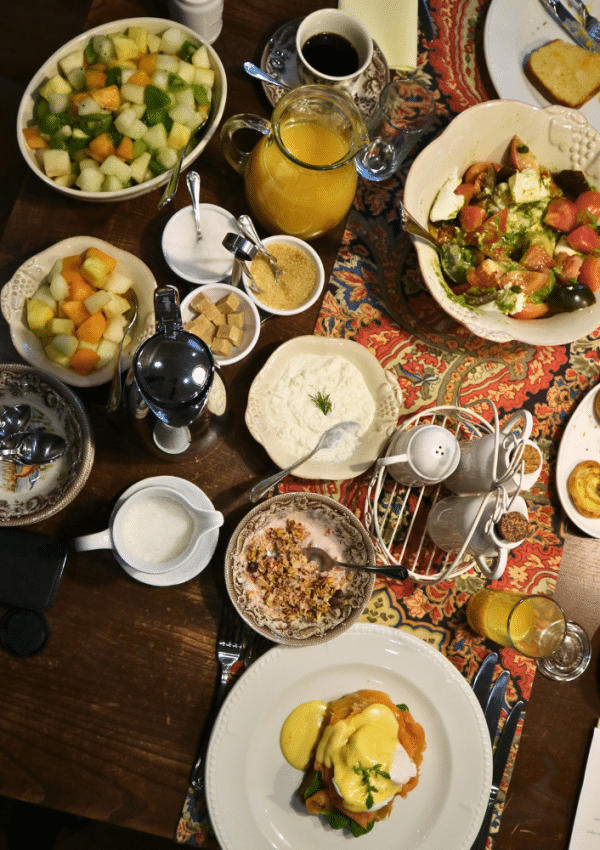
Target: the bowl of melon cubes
pixel 68 308
pixel 106 117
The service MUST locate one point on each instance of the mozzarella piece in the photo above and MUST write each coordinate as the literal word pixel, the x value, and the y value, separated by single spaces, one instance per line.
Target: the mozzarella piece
pixel 447 204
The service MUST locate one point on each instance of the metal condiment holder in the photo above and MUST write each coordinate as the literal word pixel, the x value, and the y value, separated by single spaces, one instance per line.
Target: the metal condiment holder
pixel 396 514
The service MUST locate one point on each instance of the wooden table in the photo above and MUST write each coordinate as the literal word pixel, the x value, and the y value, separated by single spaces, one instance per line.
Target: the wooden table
pixel 105 722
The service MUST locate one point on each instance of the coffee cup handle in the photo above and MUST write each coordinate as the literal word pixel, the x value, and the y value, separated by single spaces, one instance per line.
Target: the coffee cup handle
pixel 498 570
pixel 516 417
pixel 100 540
pixel 237 158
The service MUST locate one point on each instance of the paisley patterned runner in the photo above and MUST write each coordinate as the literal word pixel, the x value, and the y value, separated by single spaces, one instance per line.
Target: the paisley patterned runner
pixel 376 297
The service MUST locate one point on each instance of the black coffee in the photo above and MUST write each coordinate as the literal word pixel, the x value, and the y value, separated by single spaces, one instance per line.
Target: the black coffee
pixel 331 54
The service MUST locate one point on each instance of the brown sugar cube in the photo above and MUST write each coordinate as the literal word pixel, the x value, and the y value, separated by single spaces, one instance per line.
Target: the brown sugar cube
pixel 202 328
pixel 513 527
pixel 229 303
pixel 221 346
pixel 233 334
pixel 236 319
pixel 205 306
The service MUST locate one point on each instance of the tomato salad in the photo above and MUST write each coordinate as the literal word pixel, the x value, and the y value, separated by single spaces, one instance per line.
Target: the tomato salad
pixel 518 238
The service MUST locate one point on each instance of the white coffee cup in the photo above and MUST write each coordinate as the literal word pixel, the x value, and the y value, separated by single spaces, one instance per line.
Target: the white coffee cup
pixel 154 530
pixel 336 23
pixel 425 454
pixel 453 519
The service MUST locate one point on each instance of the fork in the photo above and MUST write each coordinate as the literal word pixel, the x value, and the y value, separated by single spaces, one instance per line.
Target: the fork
pixel 590 24
pixel 231 640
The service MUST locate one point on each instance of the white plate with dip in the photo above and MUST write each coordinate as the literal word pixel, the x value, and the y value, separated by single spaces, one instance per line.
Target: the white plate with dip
pixel 287 438
pixel 199 260
pixel 246 772
pixel 199 560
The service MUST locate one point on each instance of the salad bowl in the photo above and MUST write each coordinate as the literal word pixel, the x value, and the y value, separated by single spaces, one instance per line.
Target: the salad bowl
pixel 560 138
pixel 157 26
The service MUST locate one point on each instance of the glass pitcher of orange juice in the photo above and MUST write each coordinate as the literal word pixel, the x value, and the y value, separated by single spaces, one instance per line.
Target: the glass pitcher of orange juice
pixel 300 177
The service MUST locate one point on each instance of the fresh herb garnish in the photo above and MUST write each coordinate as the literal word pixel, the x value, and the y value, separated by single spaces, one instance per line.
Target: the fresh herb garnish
pixel 402 706
pixel 323 402
pixel 366 773
pixel 335 818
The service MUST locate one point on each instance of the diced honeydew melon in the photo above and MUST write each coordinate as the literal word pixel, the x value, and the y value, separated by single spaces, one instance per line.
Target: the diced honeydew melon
pixel 182 114
pixel 56 162
pixel 111 184
pixel 56 83
pixel 200 58
pixel 39 314
pixel 56 356
pixel 97 301
pixel 113 166
pixel 156 136
pixel 118 283
pixel 66 180
pixel 124 120
pixel 107 351
pixel 160 79
pixel 76 79
pixel 95 271
pixel 137 130
pixel 170 64
pixel 125 47
pixel 205 77
pixel 116 306
pixel 90 345
pixel 59 288
pixel 153 42
pixel 186 97
pixel 139 109
pixel 126 74
pixel 71 62
pixel 172 40
pixel 58 101
pixel 65 344
pixel 44 294
pixel 88 162
pixel 114 330
pixel 139 166
pixel 88 106
pixel 140 36
pixel 186 71
pixel 133 92
pixel 62 326
pixel 139 147
pixel 167 157
pixel 103 46
pixel 179 136
pixel 57 268
pixel 90 179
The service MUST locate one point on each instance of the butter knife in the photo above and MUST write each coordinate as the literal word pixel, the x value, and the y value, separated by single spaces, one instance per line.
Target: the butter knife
pixel 499 764
pixel 483 680
pixel 494 704
pixel 570 24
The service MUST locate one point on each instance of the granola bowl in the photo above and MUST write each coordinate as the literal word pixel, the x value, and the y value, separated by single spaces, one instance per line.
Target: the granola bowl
pixel 264 553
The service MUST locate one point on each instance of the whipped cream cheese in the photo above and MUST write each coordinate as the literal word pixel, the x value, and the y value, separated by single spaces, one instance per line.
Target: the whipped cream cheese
pixel 299 421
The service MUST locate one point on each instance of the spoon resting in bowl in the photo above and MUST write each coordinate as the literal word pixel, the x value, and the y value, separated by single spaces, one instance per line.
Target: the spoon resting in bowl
pixel 325 563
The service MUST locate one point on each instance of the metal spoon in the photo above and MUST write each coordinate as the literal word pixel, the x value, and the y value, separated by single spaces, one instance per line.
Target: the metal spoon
pixel 248 229
pixel 14 418
pixel 32 448
pixel 244 250
pixel 193 183
pixel 325 563
pixel 327 440
pixel 171 186
pixel 261 75
pixel 114 396
pixel 411 225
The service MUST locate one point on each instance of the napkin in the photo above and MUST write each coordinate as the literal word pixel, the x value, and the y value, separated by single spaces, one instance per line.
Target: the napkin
pixel 393 25
pixel 586 828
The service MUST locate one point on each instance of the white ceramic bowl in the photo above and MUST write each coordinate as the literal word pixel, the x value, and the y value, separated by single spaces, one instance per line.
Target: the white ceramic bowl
pixel 154 25
pixel 251 328
pixel 27 279
pixel 319 283
pixel 561 139
pixel 204 261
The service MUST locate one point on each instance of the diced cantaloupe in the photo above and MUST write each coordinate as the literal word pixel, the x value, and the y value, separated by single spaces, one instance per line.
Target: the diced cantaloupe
pixel 84 360
pixel 74 310
pixel 79 288
pixel 109 262
pixel 92 329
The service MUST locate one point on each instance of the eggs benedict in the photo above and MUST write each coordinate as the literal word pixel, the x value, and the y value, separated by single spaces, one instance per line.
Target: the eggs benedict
pixel 360 752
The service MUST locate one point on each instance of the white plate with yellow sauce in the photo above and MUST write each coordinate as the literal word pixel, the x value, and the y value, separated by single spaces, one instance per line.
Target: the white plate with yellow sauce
pixel 251 789
pixel 581 441
pixel 268 426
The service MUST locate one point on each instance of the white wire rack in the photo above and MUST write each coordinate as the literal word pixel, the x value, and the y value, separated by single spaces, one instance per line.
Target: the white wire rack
pixel 396 515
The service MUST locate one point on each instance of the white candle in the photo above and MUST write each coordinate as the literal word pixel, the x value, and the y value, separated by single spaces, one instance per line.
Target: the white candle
pixel 393 25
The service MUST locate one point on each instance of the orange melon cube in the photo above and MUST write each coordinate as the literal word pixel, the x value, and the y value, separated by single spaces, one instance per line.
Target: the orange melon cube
pixel 79 288
pixel 140 78
pixel 101 147
pixel 74 310
pixel 107 98
pixel 125 149
pixel 84 360
pixel 34 138
pixel 95 79
pixel 92 329
pixel 147 63
pixel 108 261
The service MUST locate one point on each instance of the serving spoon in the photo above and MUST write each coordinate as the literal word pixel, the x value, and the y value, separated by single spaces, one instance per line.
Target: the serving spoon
pixel 325 563
pixel 327 440
pixel 249 230
pixel 114 396
pixel 411 225
pixel 32 448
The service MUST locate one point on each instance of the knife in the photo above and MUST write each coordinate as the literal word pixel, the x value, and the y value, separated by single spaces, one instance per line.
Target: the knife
pixel 570 24
pixel 500 759
pixel 483 679
pixel 429 29
pixel 494 704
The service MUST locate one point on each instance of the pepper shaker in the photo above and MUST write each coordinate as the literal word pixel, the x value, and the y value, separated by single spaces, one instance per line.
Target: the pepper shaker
pixel 203 16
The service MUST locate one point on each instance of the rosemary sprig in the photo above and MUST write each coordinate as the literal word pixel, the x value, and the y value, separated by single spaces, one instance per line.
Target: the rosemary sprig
pixel 323 402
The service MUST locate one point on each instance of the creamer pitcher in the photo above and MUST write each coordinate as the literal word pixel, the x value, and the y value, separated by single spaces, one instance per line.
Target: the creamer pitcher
pixel 301 176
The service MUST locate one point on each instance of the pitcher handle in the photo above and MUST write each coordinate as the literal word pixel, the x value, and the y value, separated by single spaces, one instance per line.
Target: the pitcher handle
pixel 497 571
pixel 237 158
pixel 100 540
pixel 518 415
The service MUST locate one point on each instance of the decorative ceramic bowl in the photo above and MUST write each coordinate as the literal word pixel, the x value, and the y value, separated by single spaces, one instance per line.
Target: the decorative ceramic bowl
pixel 560 138
pixel 330 526
pixel 33 493
pixel 49 68
pixel 250 328
pixel 319 281
pixel 30 275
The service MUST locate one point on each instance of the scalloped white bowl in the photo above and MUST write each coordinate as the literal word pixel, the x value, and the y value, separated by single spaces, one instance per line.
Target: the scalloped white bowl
pixel 560 138
pixel 27 279
pixel 155 25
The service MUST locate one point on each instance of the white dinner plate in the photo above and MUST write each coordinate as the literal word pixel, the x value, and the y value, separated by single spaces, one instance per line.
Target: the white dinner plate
pixel 512 30
pixel 251 789
pixel 382 384
pixel 581 441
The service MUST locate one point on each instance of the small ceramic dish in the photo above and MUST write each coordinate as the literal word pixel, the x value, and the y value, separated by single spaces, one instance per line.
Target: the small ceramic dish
pixel 560 138
pixel 250 328
pixel 32 493
pixel 205 260
pixel 330 526
pixel 317 289
pixel 50 67
pixel 31 274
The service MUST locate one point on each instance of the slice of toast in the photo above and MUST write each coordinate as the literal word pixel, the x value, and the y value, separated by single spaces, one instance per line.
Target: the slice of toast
pixel 564 73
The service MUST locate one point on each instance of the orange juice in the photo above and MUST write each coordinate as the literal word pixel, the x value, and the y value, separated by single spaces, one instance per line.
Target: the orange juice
pixel 301 201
